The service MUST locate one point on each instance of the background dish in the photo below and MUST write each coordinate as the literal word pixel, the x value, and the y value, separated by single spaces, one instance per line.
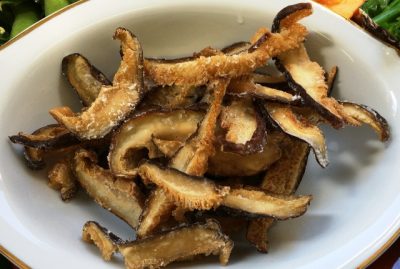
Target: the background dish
pixel 356 202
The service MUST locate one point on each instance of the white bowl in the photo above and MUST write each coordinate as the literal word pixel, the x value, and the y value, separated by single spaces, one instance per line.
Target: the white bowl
pixel 356 206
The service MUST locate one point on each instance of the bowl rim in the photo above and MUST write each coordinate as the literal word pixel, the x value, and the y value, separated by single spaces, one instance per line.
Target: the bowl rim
pixel 22 265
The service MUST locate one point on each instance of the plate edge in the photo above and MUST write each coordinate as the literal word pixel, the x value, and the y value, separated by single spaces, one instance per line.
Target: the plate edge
pixel 19 263
pixel 40 22
pixel 12 258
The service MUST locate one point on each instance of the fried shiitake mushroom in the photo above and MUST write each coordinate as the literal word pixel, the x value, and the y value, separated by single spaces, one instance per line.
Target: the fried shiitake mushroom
pixel 83 77
pixel 367 115
pixel 167 147
pixel 134 139
pixel 283 177
pixel 157 210
pixel 119 195
pixel 62 178
pixel 289 122
pixel 189 192
pixel 230 164
pixel 202 70
pixel 243 128
pixel 178 244
pixel 267 123
pixel 114 103
pixel 254 202
pixel 48 139
pixel 247 87
pixel 192 158
pixel 106 241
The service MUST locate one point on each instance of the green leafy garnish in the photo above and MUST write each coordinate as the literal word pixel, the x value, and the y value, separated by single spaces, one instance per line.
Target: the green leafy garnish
pixel 385 13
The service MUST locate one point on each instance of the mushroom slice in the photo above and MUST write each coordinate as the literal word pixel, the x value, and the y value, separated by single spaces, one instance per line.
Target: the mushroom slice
pixel 41 142
pixel 247 87
pixel 178 244
pixel 201 70
pixel 134 139
pixel 106 241
pixel 244 130
pixel 119 195
pixel 190 192
pixel 157 209
pixel 267 79
pixel 236 48
pixel 172 97
pixel 167 147
pixel 62 178
pixel 114 103
pixel 283 177
pixel 49 137
pixel 368 116
pixel 293 125
pixel 192 158
pixel 330 78
pixel 84 78
pixel 255 202
pixel 307 78
pixel 233 164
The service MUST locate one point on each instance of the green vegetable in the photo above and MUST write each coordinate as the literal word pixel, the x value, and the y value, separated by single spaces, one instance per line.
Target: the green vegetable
pixel 373 8
pixel 26 14
pixel 385 13
pixel 51 6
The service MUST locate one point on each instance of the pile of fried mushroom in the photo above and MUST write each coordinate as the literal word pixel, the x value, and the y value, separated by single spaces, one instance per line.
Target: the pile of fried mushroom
pixel 186 150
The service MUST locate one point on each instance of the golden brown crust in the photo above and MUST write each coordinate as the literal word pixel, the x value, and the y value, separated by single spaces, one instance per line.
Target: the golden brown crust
pixel 289 122
pixel 203 69
pixel 62 178
pixel 256 202
pixel 187 191
pixel 119 195
pixel 134 139
pixel 178 244
pixel 157 210
pixel 192 158
pixel 106 241
pixel 114 103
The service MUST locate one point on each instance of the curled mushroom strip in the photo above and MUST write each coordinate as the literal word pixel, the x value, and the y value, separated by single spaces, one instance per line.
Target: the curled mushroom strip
pixel 368 116
pixel 298 127
pixel 84 78
pixel 203 69
pixel 247 87
pixel 134 140
pixel 114 103
pixel 188 191
pixel 255 202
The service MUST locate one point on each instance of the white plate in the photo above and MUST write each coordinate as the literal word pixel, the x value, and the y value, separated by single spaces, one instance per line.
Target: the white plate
pixel 356 206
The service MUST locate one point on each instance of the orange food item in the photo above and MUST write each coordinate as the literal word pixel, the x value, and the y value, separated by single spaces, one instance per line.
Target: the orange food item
pixel 344 8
